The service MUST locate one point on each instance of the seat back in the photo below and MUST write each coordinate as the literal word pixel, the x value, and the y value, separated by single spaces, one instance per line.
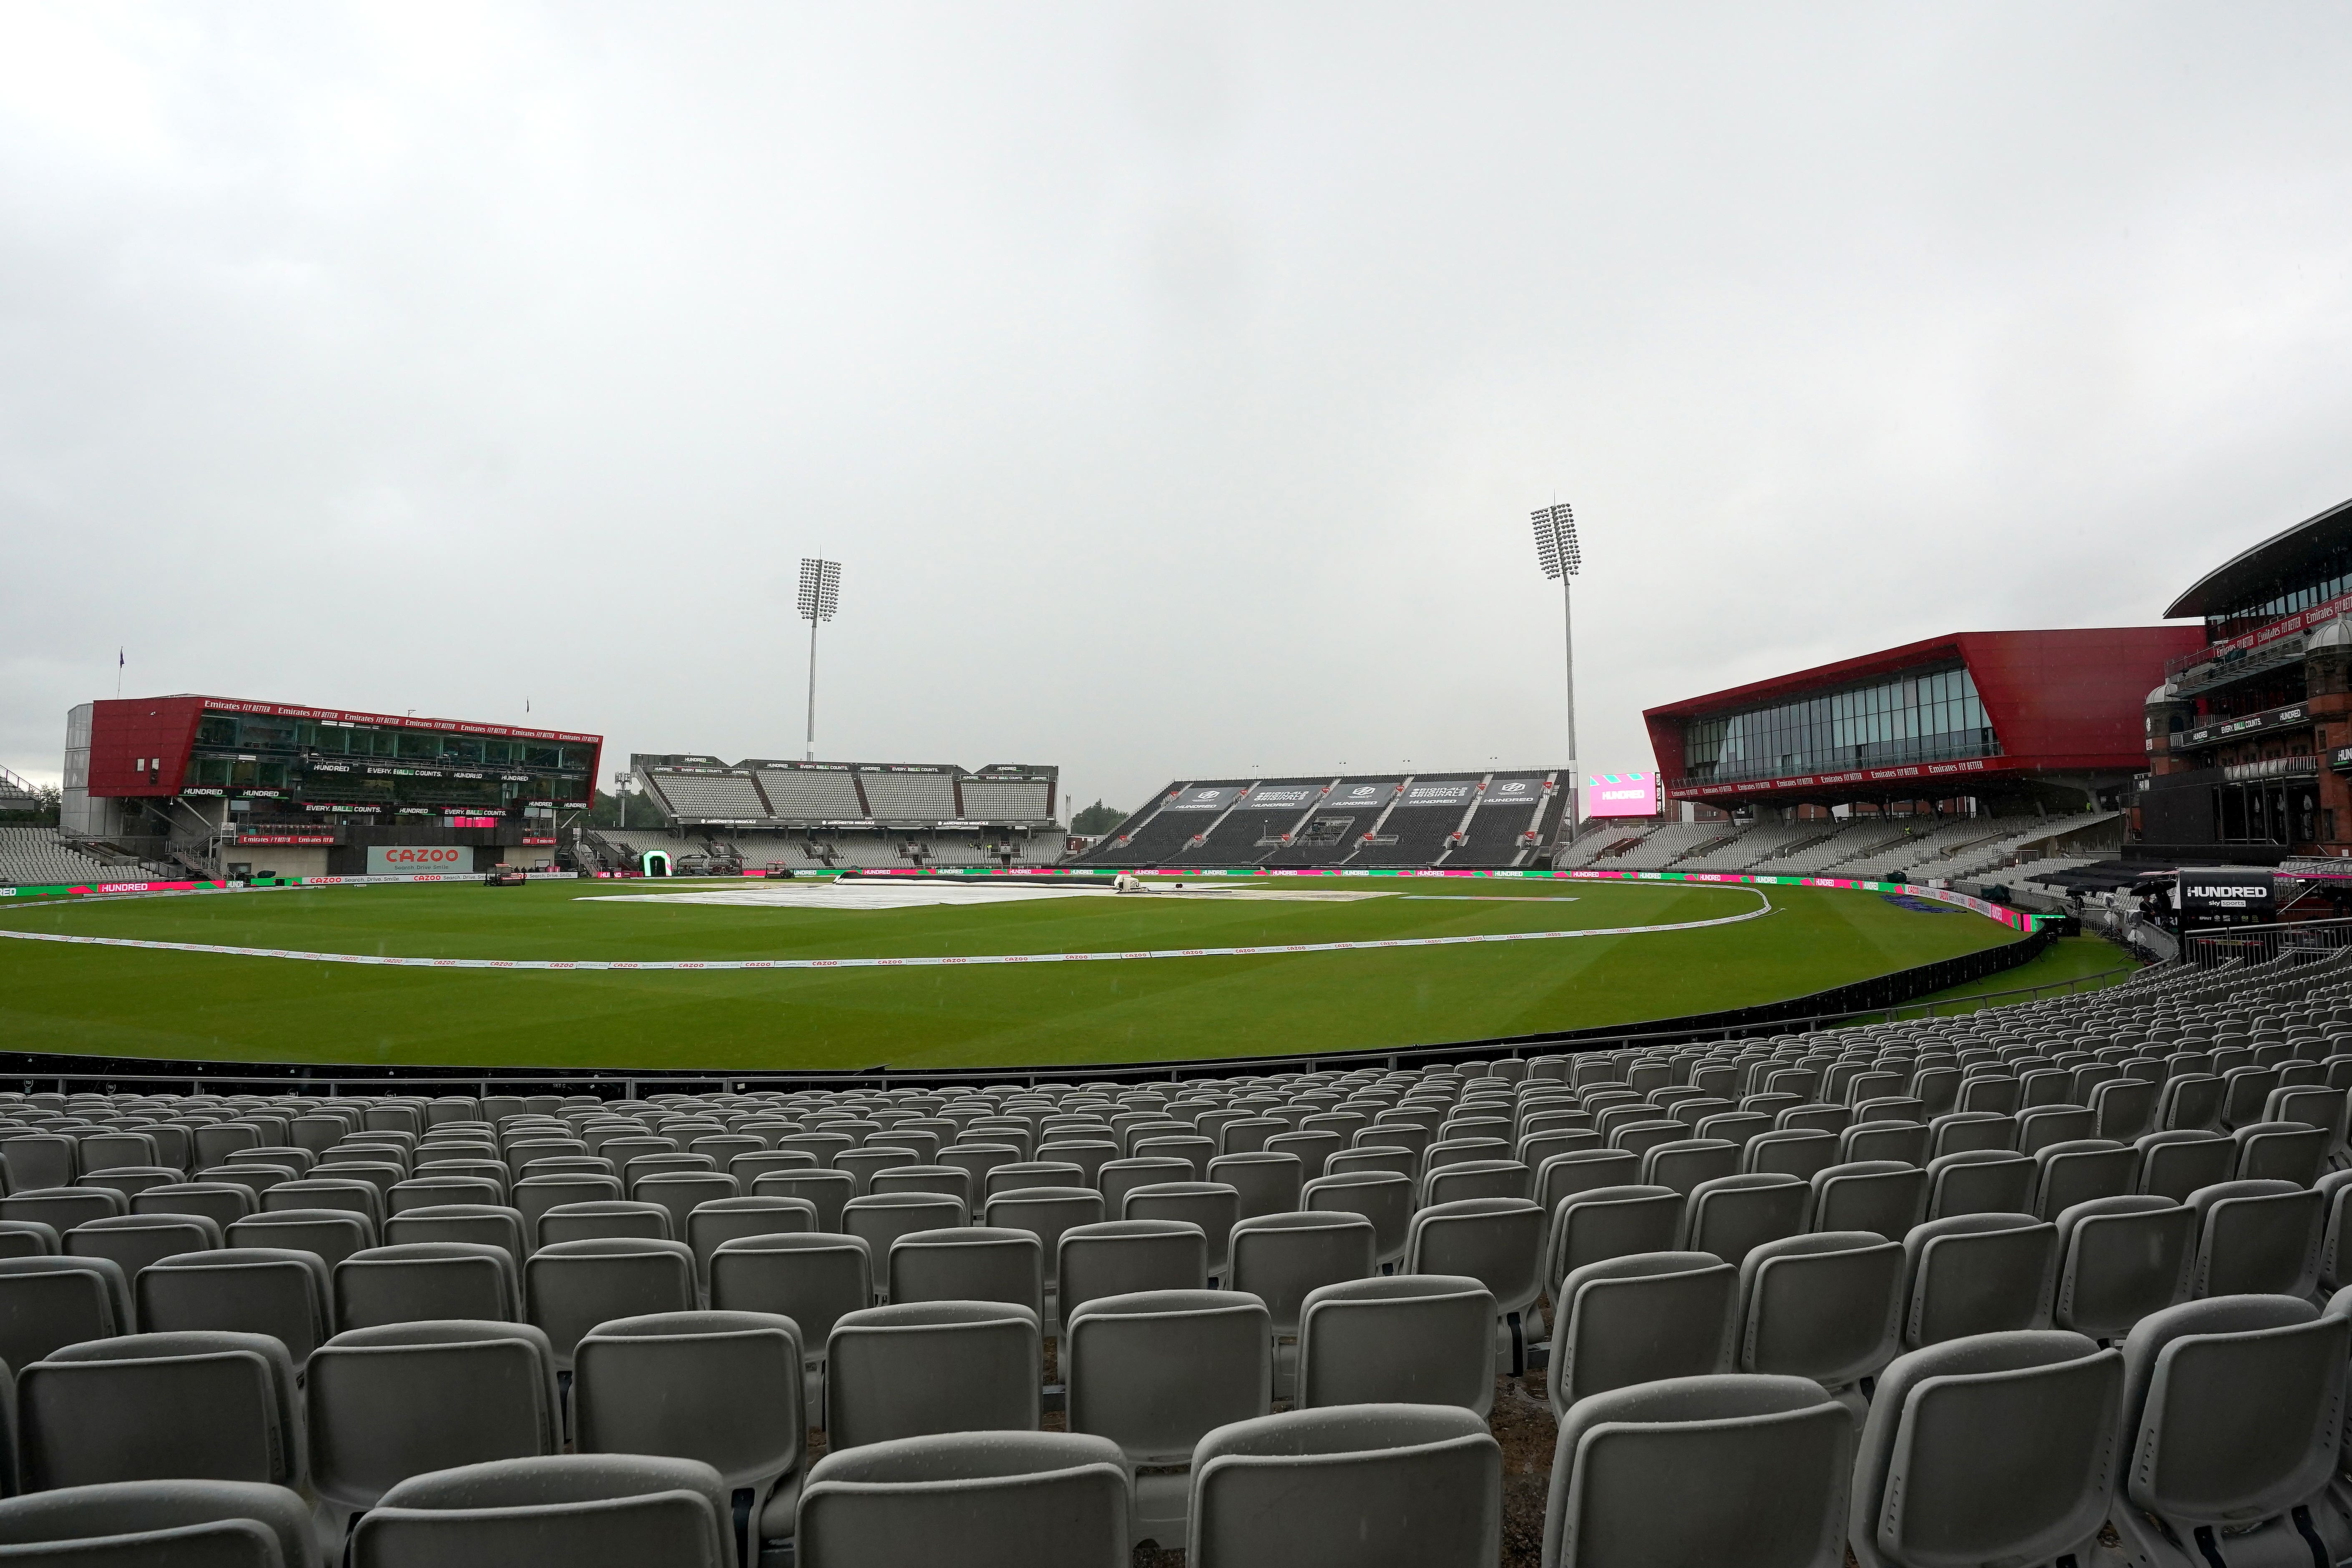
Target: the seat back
pixel 1827 1306
pixel 1424 1480
pixel 1881 1195
pixel 1045 1213
pixel 813 1279
pixel 1633 1320
pixel 2120 1258
pixel 489 1225
pixel 1156 1371
pixel 421 1281
pixel 904 1371
pixel 1609 1222
pixel 1638 1472
pixel 47 1303
pixel 332 1234
pixel 968 1263
pixel 279 1292
pixel 1406 1338
pixel 136 1241
pixel 1268 1182
pixel 1280 1257
pixel 976 1499
pixel 724 1388
pixel 596 1511
pixel 2000 1448
pixel 169 1406
pixel 1498 1241
pixel 1980 1181
pixel 1120 1258
pixel 2234 1407
pixel 184 1524
pixel 570 1287
pixel 389 1403
pixel 1978 1274
pixel 2256 1238
pixel 1732 1216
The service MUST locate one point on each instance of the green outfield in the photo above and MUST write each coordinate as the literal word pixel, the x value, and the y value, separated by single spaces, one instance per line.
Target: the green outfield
pixel 140 1002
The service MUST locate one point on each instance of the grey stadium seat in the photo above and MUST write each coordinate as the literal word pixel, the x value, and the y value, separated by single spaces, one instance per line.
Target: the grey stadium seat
pixel 46 1302
pixel 1732 1215
pixel 2119 1259
pixel 1980 1181
pixel 1882 1195
pixel 222 1202
pixel 724 1388
pixel 1158 1370
pixel 1406 1338
pixel 170 1407
pixel 563 1511
pixel 1827 1305
pixel 182 1523
pixel 570 1287
pixel 975 1499
pixel 333 1234
pixel 2233 1415
pixel 136 1241
pixel 491 1225
pixel 1636 1318
pixel 1995 1449
pixel 1422 1480
pixel 969 1263
pixel 1977 1274
pixel 1498 1241
pixel 421 1281
pixel 2176 1163
pixel 1118 1258
pixel 911 1370
pixel 272 1290
pixel 2255 1239
pixel 1602 1223
pixel 598 1219
pixel 383 1405
pixel 1638 1476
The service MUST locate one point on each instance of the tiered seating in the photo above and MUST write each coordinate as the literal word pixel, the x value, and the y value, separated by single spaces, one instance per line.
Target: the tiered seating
pixel 1007 800
pixel 1927 852
pixel 1502 819
pixel 729 797
pixel 808 794
pixel 1982 859
pixel 1661 848
pixel 37 855
pixel 1235 841
pixel 909 797
pixel 1850 842
pixel 1973 1288
pixel 1421 832
pixel 1165 835
pixel 1753 846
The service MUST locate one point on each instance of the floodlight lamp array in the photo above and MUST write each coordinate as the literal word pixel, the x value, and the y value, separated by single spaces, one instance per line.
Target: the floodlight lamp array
pixel 820 588
pixel 1556 551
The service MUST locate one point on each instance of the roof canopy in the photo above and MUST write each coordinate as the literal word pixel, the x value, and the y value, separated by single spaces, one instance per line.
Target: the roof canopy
pixel 2256 573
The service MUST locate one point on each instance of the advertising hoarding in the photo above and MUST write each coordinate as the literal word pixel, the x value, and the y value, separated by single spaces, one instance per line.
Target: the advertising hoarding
pixel 1620 794
pixel 412 860
pixel 2226 890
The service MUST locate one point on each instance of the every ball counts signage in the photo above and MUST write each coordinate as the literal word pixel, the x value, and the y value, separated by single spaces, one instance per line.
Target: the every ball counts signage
pixel 414 859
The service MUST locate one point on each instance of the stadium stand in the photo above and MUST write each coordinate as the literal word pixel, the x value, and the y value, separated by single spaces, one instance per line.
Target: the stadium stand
pixel 1764 1271
pixel 1258 825
pixel 1457 819
pixel 1749 848
pixel 1662 846
pixel 36 856
pixel 808 794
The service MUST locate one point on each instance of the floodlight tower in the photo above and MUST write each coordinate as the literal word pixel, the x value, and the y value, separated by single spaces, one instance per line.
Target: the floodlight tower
pixel 1558 553
pixel 820 596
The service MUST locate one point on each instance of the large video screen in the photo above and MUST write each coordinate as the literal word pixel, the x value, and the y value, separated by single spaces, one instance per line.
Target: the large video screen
pixel 1620 794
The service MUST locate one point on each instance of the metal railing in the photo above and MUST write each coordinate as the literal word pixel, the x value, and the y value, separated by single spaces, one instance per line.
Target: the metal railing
pixel 2213 947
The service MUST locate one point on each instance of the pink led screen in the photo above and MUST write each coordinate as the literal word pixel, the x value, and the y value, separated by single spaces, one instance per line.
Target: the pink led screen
pixel 1620 794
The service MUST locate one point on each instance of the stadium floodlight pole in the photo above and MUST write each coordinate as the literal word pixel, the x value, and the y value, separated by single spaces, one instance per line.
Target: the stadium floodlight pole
pixel 1558 554
pixel 820 596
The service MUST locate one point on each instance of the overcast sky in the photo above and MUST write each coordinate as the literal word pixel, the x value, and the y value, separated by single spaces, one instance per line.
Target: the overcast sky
pixel 1174 382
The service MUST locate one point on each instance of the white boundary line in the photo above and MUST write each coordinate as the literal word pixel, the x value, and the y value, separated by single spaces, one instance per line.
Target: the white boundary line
pixel 734 963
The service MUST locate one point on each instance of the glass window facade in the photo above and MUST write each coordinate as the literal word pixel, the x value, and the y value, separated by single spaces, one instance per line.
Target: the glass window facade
pixel 384 767
pixel 1926 717
pixel 2316 582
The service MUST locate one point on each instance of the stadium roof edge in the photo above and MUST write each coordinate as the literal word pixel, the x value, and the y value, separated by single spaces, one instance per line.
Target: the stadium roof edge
pixel 2250 570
